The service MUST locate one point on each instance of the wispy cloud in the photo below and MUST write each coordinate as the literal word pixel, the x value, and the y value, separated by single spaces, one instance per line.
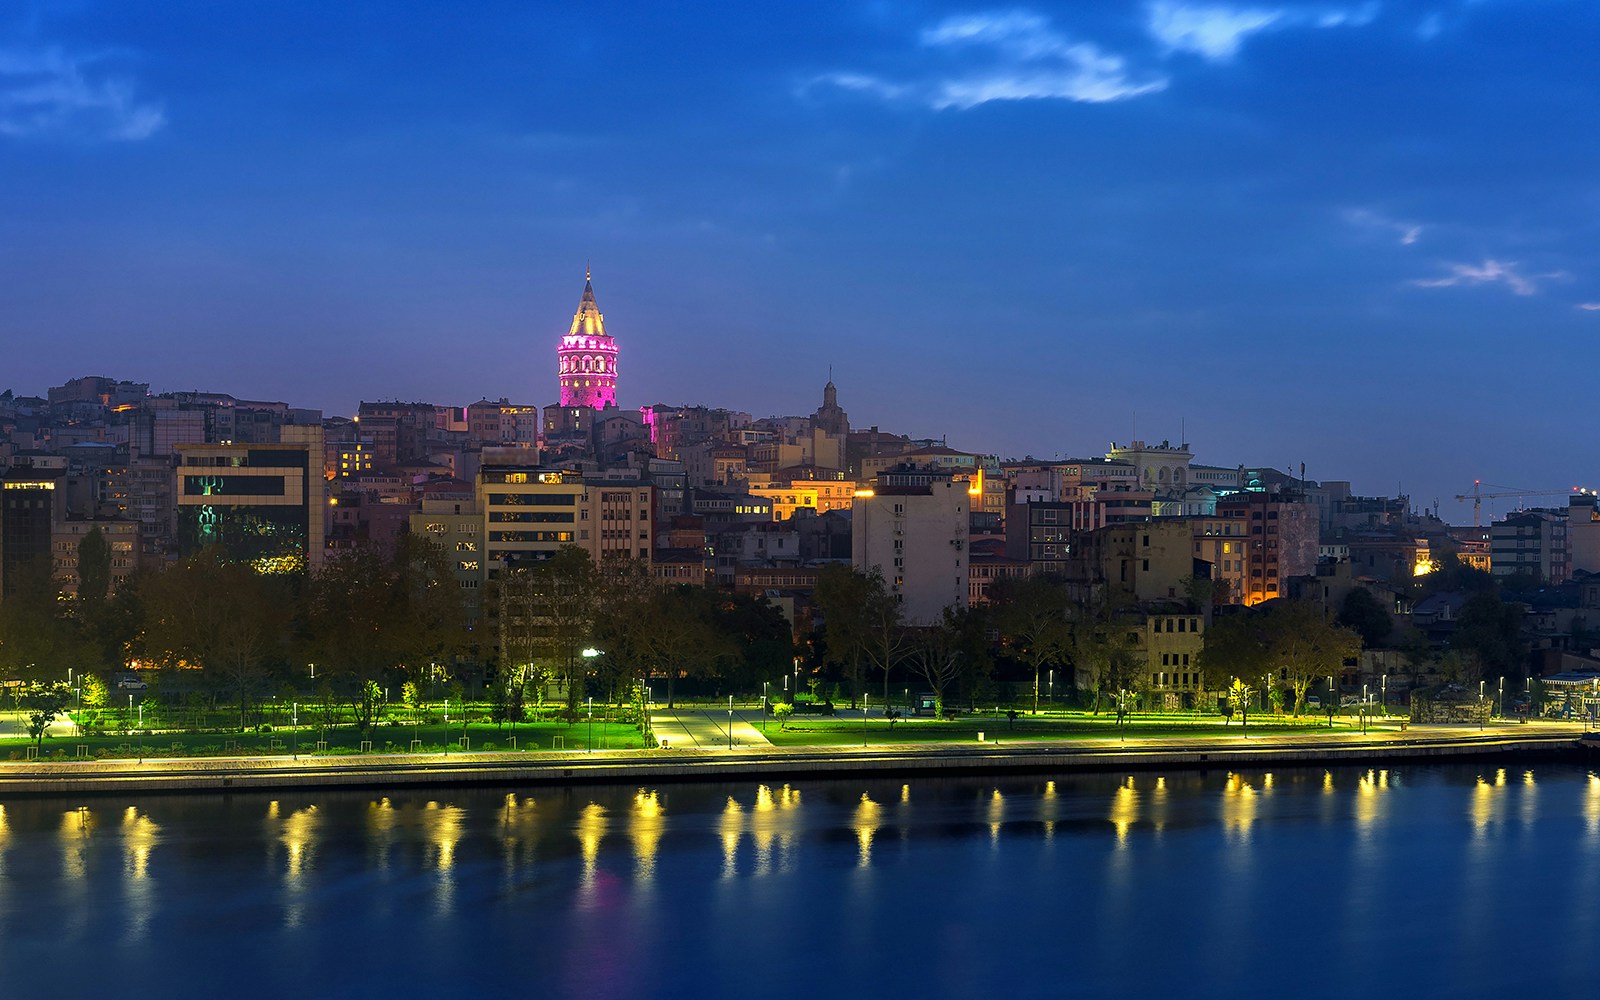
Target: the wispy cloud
pixel 1406 233
pixel 1589 306
pixel 50 93
pixel 1003 56
pixel 1489 272
pixel 1217 31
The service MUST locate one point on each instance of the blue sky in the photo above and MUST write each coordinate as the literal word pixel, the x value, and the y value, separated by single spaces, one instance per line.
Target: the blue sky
pixel 1359 235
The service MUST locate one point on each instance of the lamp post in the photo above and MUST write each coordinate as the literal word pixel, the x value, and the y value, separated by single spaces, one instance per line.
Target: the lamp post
pixel 649 709
pixel 1501 711
pixel 294 728
pixel 1364 697
pixel 764 706
pixel 866 701
pixel 1385 696
pixel 1331 699
pixel 591 724
pixel 730 722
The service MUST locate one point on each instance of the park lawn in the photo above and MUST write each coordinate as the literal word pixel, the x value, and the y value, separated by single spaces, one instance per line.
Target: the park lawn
pixel 482 737
pixel 824 731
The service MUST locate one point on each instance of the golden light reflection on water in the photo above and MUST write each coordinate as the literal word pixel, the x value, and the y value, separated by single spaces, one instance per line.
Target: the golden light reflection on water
pixel 139 837
pixel 1591 805
pixel 866 824
pixel 518 820
pixel 441 827
pixel 1486 803
pixel 298 835
pixel 140 834
pixel 382 818
pixel 1047 810
pixel 773 822
pixel 1158 805
pixel 646 824
pixel 1528 807
pixel 77 826
pixel 441 831
pixel 1124 810
pixel 1370 802
pixel 730 826
pixel 996 816
pixel 591 828
pixel 1238 806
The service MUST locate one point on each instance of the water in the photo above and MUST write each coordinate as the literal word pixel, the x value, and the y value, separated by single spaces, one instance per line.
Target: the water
pixel 1452 881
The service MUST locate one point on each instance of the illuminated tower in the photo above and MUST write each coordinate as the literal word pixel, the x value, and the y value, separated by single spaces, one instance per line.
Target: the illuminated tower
pixel 588 357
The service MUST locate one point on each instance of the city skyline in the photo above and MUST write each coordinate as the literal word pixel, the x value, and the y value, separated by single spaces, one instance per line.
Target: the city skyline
pixel 1330 234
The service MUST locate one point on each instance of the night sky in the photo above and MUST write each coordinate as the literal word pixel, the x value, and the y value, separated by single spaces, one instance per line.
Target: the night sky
pixel 1361 236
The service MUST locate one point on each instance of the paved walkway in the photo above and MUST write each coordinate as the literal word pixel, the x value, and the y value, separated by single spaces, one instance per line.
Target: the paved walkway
pixel 707 728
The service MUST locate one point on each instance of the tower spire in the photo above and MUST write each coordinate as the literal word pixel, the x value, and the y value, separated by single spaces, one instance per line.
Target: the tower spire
pixel 588 355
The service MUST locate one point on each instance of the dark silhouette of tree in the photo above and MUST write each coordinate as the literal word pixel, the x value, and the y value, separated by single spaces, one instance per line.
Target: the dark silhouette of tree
pixel 1031 613
pixel 1361 612
pixel 221 617
pixel 1489 632
pixel 842 595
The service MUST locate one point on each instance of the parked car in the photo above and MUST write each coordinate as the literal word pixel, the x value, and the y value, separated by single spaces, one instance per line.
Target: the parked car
pixel 130 681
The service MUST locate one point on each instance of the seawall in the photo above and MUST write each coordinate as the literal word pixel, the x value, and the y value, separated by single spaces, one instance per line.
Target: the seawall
pixel 376 771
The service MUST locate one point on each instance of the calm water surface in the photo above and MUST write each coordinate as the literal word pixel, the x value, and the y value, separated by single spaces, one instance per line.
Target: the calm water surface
pixel 1443 881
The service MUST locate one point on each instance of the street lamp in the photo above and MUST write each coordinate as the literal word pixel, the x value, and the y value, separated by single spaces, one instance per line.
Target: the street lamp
pixel 1331 699
pixel 1052 695
pixel 591 725
pixel 1364 697
pixel 1385 698
pixel 764 706
pixel 294 728
pixel 1502 710
pixel 730 722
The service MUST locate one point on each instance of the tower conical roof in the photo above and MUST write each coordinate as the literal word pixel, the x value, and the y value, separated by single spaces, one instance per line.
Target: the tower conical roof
pixel 588 319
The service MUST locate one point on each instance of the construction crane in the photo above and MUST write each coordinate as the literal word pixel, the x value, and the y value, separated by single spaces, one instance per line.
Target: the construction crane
pixel 1477 496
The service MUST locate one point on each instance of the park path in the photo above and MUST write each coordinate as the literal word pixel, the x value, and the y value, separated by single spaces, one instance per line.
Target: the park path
pixel 707 728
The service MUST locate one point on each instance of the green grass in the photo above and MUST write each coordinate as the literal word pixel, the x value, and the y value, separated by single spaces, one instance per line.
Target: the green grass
pixel 435 738
pixel 824 731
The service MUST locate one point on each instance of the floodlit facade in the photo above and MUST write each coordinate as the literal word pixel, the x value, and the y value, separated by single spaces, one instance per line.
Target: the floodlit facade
pixel 588 357
pixel 916 536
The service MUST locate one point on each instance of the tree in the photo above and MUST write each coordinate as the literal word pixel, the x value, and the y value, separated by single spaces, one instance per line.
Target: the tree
pixel 1031 613
pixel 219 616
pixel 1235 647
pixel 1361 612
pixel 43 702
pixel 94 568
pixel 886 640
pixel 1305 645
pixel 938 651
pixel 93 695
pixel 429 605
pixel 843 595
pixel 565 588
pixel 353 621
pixel 1489 631
pixel 1099 645
pixel 38 639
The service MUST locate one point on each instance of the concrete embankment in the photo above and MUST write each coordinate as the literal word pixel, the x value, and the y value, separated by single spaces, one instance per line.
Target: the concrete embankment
pixel 655 766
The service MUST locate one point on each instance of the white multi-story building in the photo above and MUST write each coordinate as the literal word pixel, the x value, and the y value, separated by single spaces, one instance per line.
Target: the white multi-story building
pixel 916 537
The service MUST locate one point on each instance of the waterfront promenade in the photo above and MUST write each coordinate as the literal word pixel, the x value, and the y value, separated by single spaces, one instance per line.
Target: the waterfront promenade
pixel 698 751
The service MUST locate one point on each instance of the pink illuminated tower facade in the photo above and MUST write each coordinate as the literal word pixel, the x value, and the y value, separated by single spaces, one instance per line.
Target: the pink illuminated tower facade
pixel 588 357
